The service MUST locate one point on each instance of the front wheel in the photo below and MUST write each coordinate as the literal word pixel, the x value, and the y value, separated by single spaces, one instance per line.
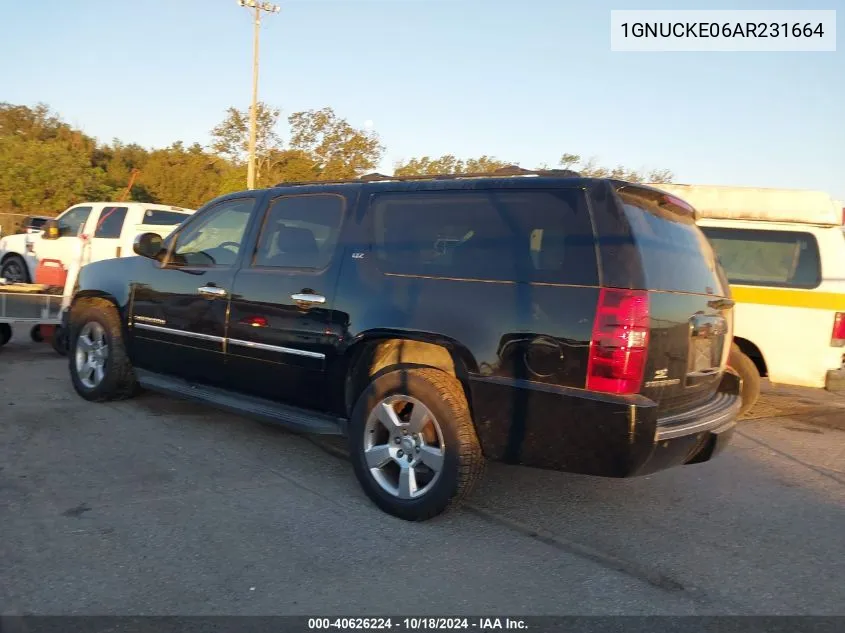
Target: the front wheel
pixel 413 444
pixel 99 366
pixel 745 368
pixel 14 269
pixel 59 340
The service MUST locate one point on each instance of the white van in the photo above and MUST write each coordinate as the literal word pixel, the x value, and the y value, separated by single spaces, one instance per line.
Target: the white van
pixel 111 227
pixel 783 252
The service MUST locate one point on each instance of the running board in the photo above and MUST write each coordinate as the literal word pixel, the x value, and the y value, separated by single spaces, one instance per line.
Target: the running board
pixel 293 418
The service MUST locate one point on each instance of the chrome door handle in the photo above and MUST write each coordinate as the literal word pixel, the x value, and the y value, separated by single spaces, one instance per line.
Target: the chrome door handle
pixel 212 291
pixel 308 298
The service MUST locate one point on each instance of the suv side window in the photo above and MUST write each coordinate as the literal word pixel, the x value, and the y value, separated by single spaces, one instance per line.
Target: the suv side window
pixel 752 257
pixel 110 223
pixel 214 238
pixel 532 235
pixel 71 222
pixel 300 232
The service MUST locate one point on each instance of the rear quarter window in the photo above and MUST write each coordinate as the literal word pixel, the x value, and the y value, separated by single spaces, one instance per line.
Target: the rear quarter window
pixel 751 257
pixel 154 217
pixel 531 235
pixel 676 255
pixel 110 223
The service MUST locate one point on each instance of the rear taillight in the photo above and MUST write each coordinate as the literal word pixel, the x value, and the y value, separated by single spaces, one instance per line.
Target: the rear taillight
pixel 837 339
pixel 620 340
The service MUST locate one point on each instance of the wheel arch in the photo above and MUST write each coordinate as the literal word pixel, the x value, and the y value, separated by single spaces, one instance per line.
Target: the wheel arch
pixel 376 352
pixel 94 297
pixel 753 352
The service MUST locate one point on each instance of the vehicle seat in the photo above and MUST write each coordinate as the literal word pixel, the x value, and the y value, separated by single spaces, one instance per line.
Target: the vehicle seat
pixel 807 270
pixel 295 247
pixel 553 251
pixel 485 258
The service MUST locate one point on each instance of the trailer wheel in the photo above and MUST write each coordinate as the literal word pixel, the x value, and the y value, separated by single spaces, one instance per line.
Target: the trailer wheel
pixel 5 333
pixel 36 335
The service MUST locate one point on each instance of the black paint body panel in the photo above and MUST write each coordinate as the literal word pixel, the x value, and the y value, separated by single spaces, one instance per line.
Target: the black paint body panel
pixel 521 349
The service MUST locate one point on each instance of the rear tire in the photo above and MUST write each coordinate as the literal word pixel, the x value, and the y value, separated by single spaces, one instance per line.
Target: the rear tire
pixel 96 375
pixel 35 334
pixel 426 456
pixel 59 341
pixel 5 333
pixel 747 371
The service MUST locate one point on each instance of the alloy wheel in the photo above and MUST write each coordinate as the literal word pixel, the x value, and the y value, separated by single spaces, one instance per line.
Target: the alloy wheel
pixel 92 352
pixel 404 447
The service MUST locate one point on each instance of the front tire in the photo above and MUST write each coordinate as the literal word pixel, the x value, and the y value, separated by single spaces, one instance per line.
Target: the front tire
pixel 743 366
pixel 99 366
pixel 14 269
pixel 59 341
pixel 5 333
pixel 413 445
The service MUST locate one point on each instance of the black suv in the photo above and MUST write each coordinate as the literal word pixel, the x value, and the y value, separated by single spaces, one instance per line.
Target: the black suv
pixel 547 320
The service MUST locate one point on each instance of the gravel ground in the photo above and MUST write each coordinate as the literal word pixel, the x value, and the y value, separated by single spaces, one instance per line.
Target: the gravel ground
pixel 155 506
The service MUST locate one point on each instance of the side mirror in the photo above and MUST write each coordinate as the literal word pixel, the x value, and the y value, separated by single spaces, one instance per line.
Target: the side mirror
pixel 51 230
pixel 148 245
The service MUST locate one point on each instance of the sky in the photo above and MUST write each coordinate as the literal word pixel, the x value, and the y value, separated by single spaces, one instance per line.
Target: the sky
pixel 522 81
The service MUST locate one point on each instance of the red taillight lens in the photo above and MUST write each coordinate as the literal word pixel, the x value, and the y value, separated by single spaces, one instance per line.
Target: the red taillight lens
pixel 620 342
pixel 837 339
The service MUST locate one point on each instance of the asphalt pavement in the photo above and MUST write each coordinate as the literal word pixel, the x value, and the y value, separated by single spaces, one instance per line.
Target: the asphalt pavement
pixel 155 506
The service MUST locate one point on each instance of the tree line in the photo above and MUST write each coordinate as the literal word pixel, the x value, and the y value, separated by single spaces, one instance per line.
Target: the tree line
pixel 47 165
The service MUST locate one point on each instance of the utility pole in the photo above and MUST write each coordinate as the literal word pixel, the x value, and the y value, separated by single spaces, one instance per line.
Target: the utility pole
pixel 257 7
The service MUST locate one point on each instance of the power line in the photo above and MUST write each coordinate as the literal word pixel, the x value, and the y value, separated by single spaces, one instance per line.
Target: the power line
pixel 257 7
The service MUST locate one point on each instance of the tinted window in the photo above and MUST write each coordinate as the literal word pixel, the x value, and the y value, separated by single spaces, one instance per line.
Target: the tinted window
pixel 767 258
pixel 71 222
pixel 37 223
pixel 675 253
pixel 110 223
pixel 300 232
pixel 163 218
pixel 213 238
pixel 528 235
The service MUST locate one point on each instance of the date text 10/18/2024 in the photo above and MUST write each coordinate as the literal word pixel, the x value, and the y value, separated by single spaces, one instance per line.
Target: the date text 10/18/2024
pixel 417 624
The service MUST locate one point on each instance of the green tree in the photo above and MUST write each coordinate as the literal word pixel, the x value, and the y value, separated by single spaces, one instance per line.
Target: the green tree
pixel 185 177
pixel 230 138
pixel 337 149
pixel 46 177
pixel 449 164
pixel 591 169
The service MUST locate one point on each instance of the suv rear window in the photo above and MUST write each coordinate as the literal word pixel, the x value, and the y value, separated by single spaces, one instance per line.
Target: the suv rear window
pixel 529 235
pixel 675 253
pixel 163 218
pixel 751 257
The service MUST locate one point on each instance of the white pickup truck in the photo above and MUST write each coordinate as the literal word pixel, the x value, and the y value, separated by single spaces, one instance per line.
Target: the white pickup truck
pixel 110 226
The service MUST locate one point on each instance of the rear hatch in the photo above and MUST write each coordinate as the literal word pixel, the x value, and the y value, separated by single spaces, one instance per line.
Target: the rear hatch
pixel 689 307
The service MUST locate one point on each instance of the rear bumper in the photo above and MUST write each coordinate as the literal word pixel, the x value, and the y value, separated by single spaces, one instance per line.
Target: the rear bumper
pixel 574 431
pixel 835 380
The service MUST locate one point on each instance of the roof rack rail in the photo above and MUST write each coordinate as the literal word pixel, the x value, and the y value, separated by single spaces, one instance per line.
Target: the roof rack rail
pixel 511 170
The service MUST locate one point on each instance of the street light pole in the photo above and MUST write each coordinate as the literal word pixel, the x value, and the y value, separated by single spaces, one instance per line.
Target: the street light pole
pixel 258 7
